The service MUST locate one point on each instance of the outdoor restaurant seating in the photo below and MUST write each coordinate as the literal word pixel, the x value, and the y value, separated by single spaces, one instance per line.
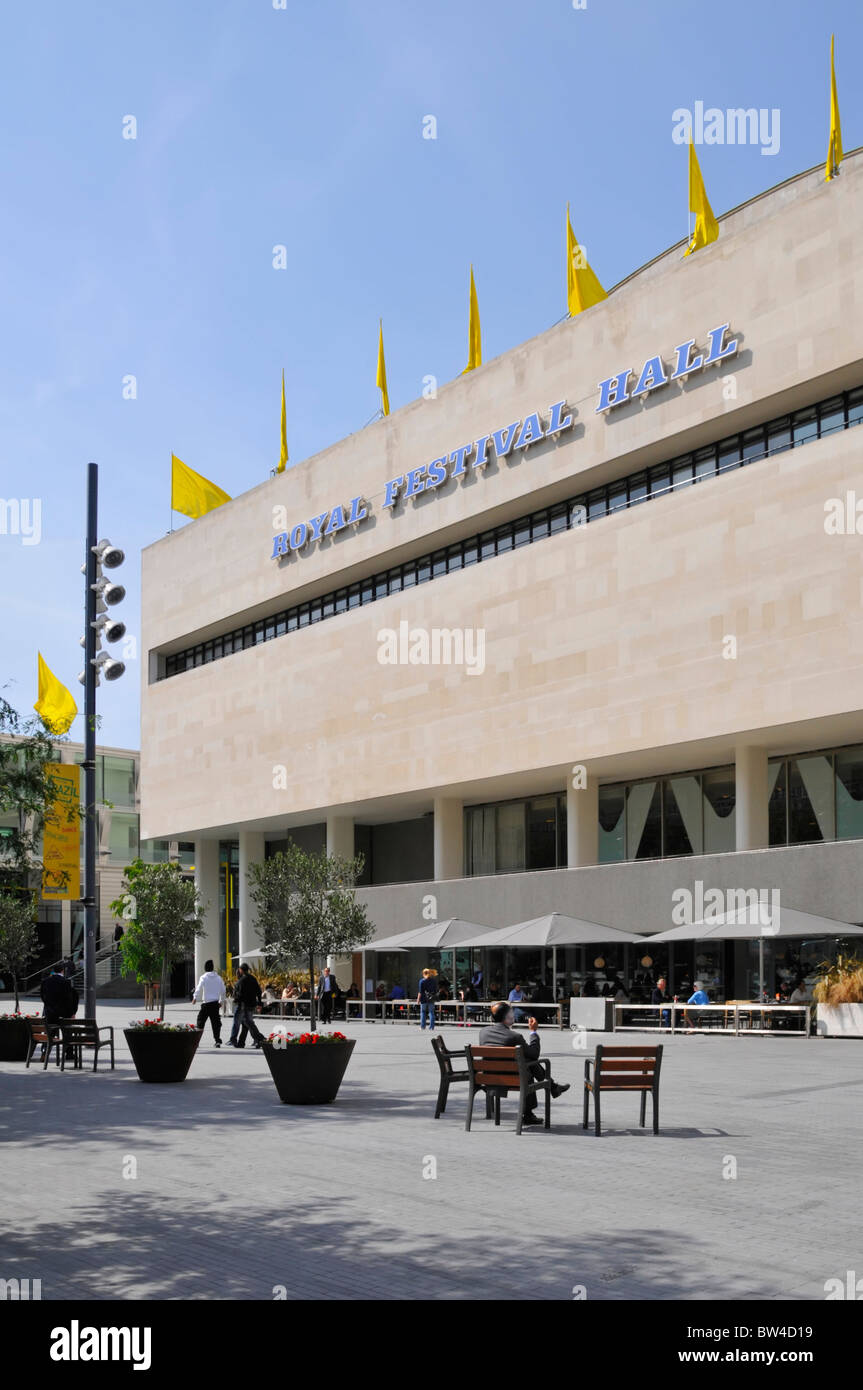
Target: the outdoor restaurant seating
pixel 622 1069
pixel 498 1070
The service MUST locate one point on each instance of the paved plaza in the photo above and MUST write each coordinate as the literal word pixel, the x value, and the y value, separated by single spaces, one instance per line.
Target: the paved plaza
pixel 234 1195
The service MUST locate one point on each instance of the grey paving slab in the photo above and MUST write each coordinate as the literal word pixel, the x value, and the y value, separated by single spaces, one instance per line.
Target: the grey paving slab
pixel 214 1190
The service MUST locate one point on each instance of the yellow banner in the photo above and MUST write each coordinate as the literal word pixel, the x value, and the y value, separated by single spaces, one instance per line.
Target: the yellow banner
pixel 61 842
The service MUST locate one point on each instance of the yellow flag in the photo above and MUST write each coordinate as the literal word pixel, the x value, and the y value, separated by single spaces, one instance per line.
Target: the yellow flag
pixel 190 493
pixel 55 705
pixel 382 373
pixel 582 287
pixel 706 225
pixel 283 452
pixel 834 149
pixel 474 348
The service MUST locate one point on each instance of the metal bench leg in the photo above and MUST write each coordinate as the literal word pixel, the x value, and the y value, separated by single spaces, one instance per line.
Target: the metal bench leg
pixel 643 1108
pixel 655 1110
pixel 441 1098
pixel 470 1095
pixel 548 1107
pixel 598 1124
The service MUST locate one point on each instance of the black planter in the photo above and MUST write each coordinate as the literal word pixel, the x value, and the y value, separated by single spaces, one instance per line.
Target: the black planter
pixel 308 1073
pixel 162 1057
pixel 14 1040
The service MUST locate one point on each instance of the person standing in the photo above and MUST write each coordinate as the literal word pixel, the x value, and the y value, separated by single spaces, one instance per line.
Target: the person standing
pixel 247 996
pixel 209 992
pixel 426 996
pixel 326 993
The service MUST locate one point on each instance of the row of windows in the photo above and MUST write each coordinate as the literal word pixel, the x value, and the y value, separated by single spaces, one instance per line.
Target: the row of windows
pixel 786 432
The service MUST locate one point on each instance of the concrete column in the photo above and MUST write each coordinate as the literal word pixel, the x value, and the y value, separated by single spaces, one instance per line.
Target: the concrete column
pixel 751 819
pixel 582 824
pixel 251 852
pixel 448 838
pixel 207 884
pixel 340 836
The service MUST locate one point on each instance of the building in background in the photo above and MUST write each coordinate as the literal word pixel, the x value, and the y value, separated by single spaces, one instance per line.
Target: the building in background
pixel 648 516
pixel 60 925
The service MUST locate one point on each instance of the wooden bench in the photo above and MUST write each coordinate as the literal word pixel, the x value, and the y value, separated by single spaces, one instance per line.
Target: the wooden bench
pixel 45 1034
pixel 623 1069
pixel 81 1034
pixel 497 1070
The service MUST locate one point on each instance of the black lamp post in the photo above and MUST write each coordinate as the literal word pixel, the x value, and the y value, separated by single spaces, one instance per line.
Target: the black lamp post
pixel 99 593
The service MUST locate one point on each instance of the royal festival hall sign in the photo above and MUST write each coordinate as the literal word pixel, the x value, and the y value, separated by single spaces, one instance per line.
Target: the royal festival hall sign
pixel 509 440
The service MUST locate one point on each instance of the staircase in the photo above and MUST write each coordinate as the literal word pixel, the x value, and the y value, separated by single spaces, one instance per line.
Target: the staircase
pixel 110 980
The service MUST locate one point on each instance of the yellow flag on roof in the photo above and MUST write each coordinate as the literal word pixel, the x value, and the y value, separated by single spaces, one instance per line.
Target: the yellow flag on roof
pixel 582 287
pixel 474 350
pixel 283 451
pixel 706 225
pixel 191 494
pixel 382 373
pixel 54 705
pixel 834 149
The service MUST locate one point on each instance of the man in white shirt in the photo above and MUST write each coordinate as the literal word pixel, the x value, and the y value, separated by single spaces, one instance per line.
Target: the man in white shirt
pixel 209 992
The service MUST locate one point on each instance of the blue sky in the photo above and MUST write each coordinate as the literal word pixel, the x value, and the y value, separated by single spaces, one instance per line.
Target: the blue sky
pixel 303 127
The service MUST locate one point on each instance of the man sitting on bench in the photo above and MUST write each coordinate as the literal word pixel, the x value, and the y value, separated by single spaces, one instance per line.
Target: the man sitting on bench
pixel 501 1033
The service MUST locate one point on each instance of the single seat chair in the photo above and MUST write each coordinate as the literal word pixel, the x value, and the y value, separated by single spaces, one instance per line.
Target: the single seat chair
pixel 623 1069
pixel 497 1070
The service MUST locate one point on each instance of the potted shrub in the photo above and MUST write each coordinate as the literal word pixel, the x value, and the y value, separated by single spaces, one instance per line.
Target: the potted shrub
pixel 162 915
pixel 308 905
pixel 308 1067
pixel 14 1037
pixel 162 1052
pixel 839 995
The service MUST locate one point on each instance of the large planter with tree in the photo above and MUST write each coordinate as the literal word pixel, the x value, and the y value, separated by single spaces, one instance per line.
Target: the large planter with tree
pixel 307 903
pixel 839 995
pixel 162 1052
pixel 308 1069
pixel 14 1037
pixel 161 918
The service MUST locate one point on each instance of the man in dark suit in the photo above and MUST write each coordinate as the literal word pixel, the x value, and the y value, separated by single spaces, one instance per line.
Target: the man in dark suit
pixel 58 996
pixel 326 993
pixel 500 1033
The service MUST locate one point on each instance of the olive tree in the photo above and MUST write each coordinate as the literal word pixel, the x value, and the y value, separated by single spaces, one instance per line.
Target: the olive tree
pixel 18 938
pixel 162 914
pixel 307 908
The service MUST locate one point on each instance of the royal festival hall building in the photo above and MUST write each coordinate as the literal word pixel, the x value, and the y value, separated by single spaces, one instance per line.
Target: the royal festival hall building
pixel 578 633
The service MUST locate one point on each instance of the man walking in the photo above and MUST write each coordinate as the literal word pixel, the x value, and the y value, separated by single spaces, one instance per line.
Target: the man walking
pixel 209 992
pixel 326 993
pixel 501 1033
pixel 247 996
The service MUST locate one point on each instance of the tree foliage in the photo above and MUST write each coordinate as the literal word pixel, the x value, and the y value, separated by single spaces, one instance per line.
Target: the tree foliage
pixel 18 938
pixel 162 917
pixel 307 907
pixel 27 791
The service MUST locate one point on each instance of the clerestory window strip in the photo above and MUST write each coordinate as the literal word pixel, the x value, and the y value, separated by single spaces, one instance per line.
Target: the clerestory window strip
pixel 790 431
